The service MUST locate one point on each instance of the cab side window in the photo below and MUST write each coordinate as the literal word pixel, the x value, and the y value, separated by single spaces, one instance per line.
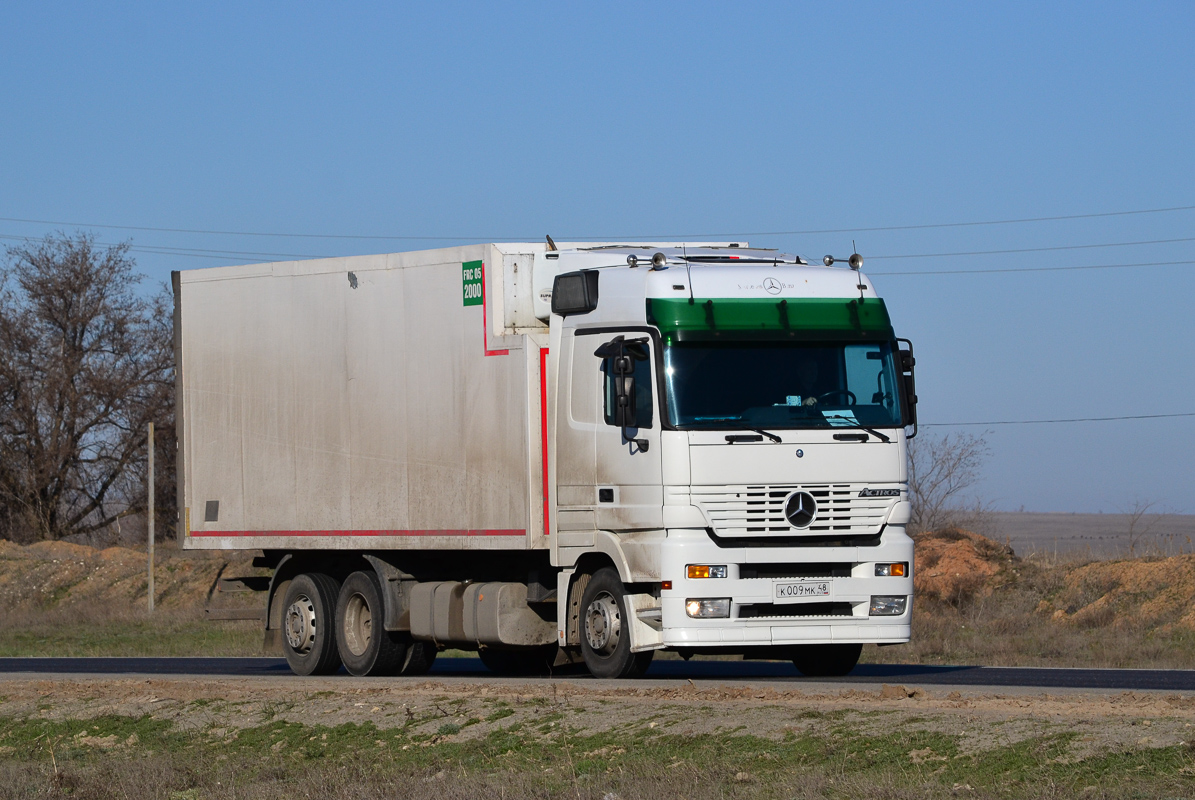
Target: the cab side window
pixel 644 404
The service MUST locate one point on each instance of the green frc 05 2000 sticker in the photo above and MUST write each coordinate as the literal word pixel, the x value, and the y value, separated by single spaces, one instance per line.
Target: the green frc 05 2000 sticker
pixel 471 284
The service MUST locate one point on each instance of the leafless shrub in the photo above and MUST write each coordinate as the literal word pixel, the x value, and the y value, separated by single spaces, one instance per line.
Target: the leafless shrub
pixel 941 469
pixel 1141 524
pixel 85 363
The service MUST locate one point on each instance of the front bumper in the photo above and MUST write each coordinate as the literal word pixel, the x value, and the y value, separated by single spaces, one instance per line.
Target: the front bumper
pixel 756 620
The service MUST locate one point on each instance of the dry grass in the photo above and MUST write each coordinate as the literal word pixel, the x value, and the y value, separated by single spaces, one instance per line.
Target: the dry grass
pixel 1045 611
pixel 976 603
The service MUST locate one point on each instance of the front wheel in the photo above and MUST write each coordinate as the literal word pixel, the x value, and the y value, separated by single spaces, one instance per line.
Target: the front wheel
pixel 605 629
pixel 826 660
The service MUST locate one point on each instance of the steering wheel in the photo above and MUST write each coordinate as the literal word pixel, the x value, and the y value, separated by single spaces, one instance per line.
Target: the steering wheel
pixel 847 392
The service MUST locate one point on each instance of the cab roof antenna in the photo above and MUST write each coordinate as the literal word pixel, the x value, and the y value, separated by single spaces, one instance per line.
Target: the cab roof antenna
pixel 551 244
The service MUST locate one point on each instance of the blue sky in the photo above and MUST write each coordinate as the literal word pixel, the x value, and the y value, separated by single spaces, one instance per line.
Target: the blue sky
pixel 509 121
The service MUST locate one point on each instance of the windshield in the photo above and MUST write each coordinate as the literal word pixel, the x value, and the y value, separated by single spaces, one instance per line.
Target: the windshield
pixel 760 384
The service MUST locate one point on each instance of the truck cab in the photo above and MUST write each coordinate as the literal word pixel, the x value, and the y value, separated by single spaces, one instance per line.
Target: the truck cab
pixel 729 431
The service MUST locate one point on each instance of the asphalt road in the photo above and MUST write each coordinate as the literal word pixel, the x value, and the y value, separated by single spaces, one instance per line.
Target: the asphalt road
pixel 728 672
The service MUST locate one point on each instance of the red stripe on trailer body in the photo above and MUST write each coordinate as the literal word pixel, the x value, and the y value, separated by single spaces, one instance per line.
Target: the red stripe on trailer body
pixel 478 532
pixel 543 424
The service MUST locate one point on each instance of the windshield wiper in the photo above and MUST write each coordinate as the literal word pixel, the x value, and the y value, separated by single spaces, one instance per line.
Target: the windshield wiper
pixel 857 426
pixel 771 436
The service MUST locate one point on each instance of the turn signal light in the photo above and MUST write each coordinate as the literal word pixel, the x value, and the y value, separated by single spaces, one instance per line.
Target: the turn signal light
pixel 892 570
pixel 706 571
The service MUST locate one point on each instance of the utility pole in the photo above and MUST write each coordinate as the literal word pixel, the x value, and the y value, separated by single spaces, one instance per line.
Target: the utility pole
pixel 149 481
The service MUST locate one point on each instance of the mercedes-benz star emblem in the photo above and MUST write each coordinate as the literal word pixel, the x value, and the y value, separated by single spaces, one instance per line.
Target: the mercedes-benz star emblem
pixel 800 509
pixel 772 286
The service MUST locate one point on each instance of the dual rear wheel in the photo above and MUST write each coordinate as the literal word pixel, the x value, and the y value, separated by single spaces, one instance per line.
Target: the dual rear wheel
pixel 326 624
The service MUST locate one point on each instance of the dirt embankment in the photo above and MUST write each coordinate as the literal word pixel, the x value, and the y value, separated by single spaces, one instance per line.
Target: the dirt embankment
pixel 62 575
pixel 957 567
pixel 953 568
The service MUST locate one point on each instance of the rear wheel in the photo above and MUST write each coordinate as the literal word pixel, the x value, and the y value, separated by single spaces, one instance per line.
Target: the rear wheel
pixel 826 660
pixel 529 661
pixel 308 612
pixel 419 659
pixel 366 647
pixel 605 629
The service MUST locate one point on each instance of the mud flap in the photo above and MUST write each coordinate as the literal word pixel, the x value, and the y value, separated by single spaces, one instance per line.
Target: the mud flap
pixel 645 629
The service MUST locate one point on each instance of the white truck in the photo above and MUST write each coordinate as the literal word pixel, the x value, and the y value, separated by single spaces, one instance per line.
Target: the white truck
pixel 552 454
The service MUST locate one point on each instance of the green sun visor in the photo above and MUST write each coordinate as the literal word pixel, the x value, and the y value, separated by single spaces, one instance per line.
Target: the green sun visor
pixel 750 318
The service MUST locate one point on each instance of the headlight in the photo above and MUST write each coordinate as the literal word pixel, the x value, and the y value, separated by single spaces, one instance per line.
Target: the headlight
pixel 706 571
pixel 888 606
pixel 892 570
pixel 708 609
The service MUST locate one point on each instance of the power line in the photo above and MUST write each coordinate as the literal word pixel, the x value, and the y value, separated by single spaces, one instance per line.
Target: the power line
pixel 1033 249
pixel 911 227
pixel 221 255
pixel 1030 269
pixel 1050 421
pixel 256 233
pixel 612 238
pixel 184 251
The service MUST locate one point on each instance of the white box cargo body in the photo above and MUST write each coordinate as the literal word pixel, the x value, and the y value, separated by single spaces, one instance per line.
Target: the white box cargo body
pixel 358 402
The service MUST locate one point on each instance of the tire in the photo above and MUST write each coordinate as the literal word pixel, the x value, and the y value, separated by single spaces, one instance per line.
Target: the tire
pixel 528 661
pixel 605 640
pixel 826 660
pixel 366 647
pixel 420 657
pixel 308 620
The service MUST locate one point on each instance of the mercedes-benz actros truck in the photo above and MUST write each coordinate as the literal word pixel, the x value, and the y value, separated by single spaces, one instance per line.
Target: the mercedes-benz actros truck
pixel 583 453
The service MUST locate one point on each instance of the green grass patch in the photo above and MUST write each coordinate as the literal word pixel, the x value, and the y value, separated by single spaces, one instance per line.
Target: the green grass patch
pixel 140 636
pixel 288 755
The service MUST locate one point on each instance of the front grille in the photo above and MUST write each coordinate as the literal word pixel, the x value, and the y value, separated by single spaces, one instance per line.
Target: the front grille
pixel 789 610
pixel 759 510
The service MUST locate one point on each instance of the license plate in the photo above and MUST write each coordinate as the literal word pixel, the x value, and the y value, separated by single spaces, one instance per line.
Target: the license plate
pixel 799 590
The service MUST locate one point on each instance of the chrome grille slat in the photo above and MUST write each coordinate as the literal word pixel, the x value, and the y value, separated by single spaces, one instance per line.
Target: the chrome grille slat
pixel 759 510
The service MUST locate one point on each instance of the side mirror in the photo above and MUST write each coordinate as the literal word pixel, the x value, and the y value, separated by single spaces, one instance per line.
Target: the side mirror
pixel 622 371
pixel 907 362
pixel 575 292
pixel 624 413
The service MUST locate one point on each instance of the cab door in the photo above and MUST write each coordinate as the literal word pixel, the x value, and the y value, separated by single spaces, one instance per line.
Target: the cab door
pixel 628 479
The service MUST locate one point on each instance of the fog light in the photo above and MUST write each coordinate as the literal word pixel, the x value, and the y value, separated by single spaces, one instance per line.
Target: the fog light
pixel 892 570
pixel 887 606
pixel 708 609
pixel 704 571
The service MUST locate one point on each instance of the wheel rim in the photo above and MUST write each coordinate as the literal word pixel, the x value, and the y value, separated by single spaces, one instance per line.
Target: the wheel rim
pixel 300 625
pixel 358 624
pixel 603 624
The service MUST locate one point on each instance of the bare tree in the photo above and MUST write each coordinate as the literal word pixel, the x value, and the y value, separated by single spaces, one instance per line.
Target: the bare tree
pixel 941 469
pixel 1140 523
pixel 85 363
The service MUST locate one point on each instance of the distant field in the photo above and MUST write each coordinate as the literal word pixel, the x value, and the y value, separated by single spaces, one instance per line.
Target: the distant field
pixel 1093 535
